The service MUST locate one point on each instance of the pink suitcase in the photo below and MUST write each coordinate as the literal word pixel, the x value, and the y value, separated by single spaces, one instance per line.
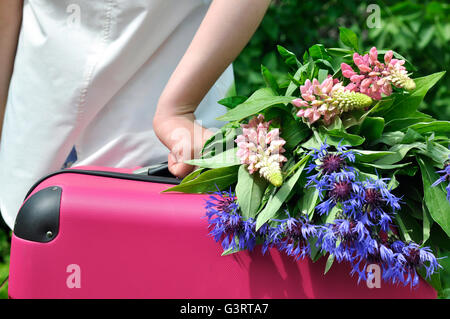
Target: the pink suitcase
pixel 104 233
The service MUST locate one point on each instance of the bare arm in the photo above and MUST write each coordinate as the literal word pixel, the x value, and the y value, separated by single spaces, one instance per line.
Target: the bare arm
pixel 10 20
pixel 223 33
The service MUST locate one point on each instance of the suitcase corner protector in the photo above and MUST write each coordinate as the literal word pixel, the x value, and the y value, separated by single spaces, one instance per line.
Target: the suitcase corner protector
pixel 38 218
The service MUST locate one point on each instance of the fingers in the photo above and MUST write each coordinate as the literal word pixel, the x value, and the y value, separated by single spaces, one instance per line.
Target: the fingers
pixel 178 168
pixel 184 137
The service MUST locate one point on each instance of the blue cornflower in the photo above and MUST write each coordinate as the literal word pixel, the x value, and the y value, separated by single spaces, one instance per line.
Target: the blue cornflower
pixel 220 202
pixel 292 236
pixel 399 261
pixel 343 150
pixel 379 203
pixel 326 163
pixel 327 238
pixel 335 180
pixel 444 177
pixel 325 207
pixel 226 224
pixel 341 189
pixel 344 238
pixel 409 258
pixel 373 251
pixel 330 162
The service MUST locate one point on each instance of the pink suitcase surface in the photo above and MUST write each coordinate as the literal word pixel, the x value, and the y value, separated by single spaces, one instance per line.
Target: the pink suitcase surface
pixel 84 235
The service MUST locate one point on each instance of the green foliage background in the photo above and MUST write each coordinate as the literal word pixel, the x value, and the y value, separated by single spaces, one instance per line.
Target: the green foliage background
pixel 419 30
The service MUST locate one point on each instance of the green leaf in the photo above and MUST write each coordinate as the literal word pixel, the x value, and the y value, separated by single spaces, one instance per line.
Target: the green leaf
pixel 400 151
pixel 381 107
pixel 193 175
pixel 336 136
pixel 318 52
pixel 393 183
pixel 249 191
pixel 427 222
pixel 435 197
pixel 221 140
pixel 308 202
pixel 411 136
pixel 407 104
pixel 332 215
pixel 329 263
pixel 302 70
pixel 372 128
pixel 224 159
pixel 438 153
pixel 412 227
pixel 404 123
pixel 339 51
pixel 349 38
pixel 370 156
pixel 209 181
pixel 311 143
pixel 385 166
pixel 436 127
pixel 293 133
pixel 403 230
pixel 232 101
pixel 315 251
pixel 323 63
pixel 289 58
pixel 253 106
pixel 270 80
pixel 276 201
pixel 363 176
pixel 292 85
pixel 292 130
pixel 438 238
pixel 323 74
pixel 232 250
pixel 390 138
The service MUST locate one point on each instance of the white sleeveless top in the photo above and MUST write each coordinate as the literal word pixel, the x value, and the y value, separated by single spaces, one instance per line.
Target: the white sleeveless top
pixel 89 73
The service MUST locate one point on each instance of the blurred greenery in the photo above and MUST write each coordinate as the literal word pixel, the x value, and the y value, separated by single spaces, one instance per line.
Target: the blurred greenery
pixel 418 30
pixel 5 239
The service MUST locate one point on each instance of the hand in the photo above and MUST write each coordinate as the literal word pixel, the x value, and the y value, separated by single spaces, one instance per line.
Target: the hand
pixel 223 33
pixel 183 137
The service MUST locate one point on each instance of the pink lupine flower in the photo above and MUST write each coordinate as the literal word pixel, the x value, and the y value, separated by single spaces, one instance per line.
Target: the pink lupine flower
pixel 327 100
pixel 375 78
pixel 261 149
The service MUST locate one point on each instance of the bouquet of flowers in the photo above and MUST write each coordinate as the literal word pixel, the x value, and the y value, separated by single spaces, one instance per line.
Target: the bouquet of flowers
pixel 336 161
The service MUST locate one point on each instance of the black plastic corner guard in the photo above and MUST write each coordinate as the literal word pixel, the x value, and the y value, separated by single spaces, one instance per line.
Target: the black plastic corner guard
pixel 38 219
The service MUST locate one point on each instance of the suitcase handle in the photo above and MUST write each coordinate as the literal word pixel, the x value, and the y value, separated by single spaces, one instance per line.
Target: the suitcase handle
pixel 161 169
pixel 156 174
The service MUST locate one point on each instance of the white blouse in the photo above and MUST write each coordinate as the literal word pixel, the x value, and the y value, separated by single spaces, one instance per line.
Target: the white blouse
pixel 89 73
